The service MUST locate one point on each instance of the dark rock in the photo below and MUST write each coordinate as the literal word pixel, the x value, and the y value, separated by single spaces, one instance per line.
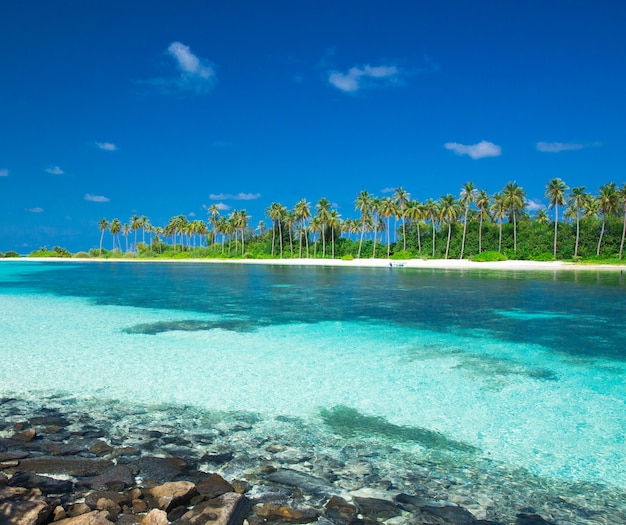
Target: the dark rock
pixel 377 508
pixel 269 494
pixel 78 509
pixel 452 514
pixel 339 511
pixel 176 513
pixel 65 465
pixel 63 449
pixel 531 519
pixel 213 486
pixel 115 478
pixel 116 497
pixel 294 478
pixel 160 470
pixel 172 494
pixel 126 451
pixel 45 484
pixel 100 448
pixel 56 421
pixel 25 435
pixel 217 458
pixel 13 454
pixel 109 506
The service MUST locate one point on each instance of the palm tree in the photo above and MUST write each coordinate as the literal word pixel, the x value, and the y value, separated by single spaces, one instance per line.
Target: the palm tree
pixel 482 202
pixel 334 222
pixel 467 197
pixel 375 209
pixel 542 217
pixel 621 193
pixel 241 223
pixel 576 201
pixel 103 224
pixel 260 228
pixel 115 227
pixel 290 220
pixel 402 197
pixel 608 204
pixel 499 213
pixel 432 212
pixel 448 213
pixel 145 225
pixel 415 213
pixel 386 209
pixel 214 213
pixel 277 212
pixel 125 231
pixel 515 202
pixel 362 204
pixel 322 209
pixel 135 224
pixel 555 191
pixel 302 212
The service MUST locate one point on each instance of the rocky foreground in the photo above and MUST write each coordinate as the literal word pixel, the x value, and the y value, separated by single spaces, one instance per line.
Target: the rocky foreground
pixel 61 467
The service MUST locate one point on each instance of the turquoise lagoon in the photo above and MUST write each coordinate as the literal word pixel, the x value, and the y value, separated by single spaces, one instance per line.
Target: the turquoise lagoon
pixel 510 371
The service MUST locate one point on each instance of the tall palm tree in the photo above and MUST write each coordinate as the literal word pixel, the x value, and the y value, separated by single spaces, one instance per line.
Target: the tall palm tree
pixel 432 213
pixel 402 197
pixel 333 222
pixel 621 193
pixel 322 211
pixel 145 225
pixel 302 211
pixel 126 228
pixel 608 205
pixel 386 209
pixel 103 224
pixel 375 209
pixel 498 209
pixel 448 212
pixel 214 213
pixel 115 227
pixel 277 212
pixel 241 223
pixel 260 228
pixel 555 192
pixel 468 196
pixel 482 202
pixel 542 217
pixel 362 204
pixel 515 202
pixel 576 201
pixel 290 220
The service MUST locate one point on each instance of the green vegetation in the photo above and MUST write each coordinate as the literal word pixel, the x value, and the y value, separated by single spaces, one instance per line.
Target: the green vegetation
pixel 575 226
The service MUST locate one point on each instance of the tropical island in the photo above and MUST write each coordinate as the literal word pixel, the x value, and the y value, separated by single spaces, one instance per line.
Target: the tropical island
pixel 476 226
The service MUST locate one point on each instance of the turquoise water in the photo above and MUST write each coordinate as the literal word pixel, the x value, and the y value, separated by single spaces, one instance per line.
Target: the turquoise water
pixel 523 370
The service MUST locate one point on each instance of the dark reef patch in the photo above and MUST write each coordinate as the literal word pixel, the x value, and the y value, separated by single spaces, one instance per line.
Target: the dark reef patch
pixel 192 325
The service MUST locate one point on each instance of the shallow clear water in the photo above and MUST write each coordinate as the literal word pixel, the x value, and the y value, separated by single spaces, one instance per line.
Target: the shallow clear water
pixel 523 370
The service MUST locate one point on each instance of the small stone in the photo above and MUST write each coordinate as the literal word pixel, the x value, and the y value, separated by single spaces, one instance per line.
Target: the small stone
pixel 91 518
pixel 59 514
pixel 135 494
pixel 25 435
pixel 338 510
pixel 173 494
pixel 100 448
pixel 273 512
pixel 139 506
pixel 78 509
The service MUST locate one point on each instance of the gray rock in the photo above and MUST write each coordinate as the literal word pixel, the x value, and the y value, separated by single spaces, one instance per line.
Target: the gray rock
pixel 213 486
pixel 377 508
pixel 44 483
pixel 228 509
pixel 115 478
pixel 452 514
pixel 305 482
pixel 65 465
pixel 531 519
pixel 161 470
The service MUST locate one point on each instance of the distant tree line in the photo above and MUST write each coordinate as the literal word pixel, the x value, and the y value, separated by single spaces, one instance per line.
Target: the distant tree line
pixel 581 225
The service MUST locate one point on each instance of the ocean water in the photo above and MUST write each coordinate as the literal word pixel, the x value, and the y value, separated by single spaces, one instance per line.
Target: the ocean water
pixel 521 371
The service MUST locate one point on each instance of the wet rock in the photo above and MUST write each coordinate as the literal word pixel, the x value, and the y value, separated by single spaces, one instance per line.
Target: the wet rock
pixel 95 517
pixel 339 511
pixel 269 494
pixel 452 514
pixel 56 421
pixel 139 506
pixel 65 465
pixel 305 482
pixel 531 519
pixel 59 514
pixel 173 494
pixel 115 478
pixel 25 435
pixel 292 456
pixel 21 506
pixel 214 486
pixel 377 508
pixel 116 497
pixel 228 509
pixel 78 509
pixel 160 470
pixel 155 517
pixel 44 483
pixel 63 449
pixel 126 451
pixel 12 455
pixel 100 448
pixel 273 512
pixel 217 458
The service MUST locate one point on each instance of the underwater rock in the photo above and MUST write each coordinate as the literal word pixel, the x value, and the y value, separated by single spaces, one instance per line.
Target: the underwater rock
pixel 81 467
pixel 377 508
pixel 531 519
pixel 213 486
pixel 452 514
pixel 25 435
pixel 339 511
pixel 160 470
pixel 155 517
pixel 44 483
pixel 273 512
pixel 294 478
pixel 95 517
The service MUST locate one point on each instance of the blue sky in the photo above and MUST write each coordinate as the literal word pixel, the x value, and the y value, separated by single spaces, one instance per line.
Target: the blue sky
pixel 110 109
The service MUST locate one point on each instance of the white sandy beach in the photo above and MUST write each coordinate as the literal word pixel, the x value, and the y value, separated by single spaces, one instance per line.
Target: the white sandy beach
pixel 441 264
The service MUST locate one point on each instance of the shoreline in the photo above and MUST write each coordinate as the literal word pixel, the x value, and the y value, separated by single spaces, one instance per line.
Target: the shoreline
pixel 430 264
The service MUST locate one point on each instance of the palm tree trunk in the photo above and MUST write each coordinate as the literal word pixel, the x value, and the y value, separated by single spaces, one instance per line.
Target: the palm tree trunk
pixel 514 233
pixel 358 255
pixel 600 239
pixel 449 235
pixel 577 235
pixel 621 245
pixel 388 239
pixel 480 235
pixel 280 237
pixel 500 236
pixel 404 231
pixel 332 236
pixel 464 233
pixel 419 238
pixel 433 238
pixel 556 225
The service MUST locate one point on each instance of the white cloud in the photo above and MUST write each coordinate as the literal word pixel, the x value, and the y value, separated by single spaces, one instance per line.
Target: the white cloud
pixel 191 214
pixel 96 198
pixel 54 170
pixel 557 147
pixel 475 151
pixel 230 197
pixel 366 76
pixel 222 206
pixel 4 172
pixel 388 190
pixel 195 73
pixel 534 205
pixel 106 146
pixel 34 210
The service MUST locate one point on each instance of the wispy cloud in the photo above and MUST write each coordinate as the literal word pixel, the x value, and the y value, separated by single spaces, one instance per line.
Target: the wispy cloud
pixel 222 206
pixel 54 170
pixel 34 210
pixel 96 198
pixel 4 172
pixel 476 151
pixel 231 197
pixel 534 205
pixel 106 146
pixel 388 190
pixel 557 147
pixel 194 74
pixel 364 77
